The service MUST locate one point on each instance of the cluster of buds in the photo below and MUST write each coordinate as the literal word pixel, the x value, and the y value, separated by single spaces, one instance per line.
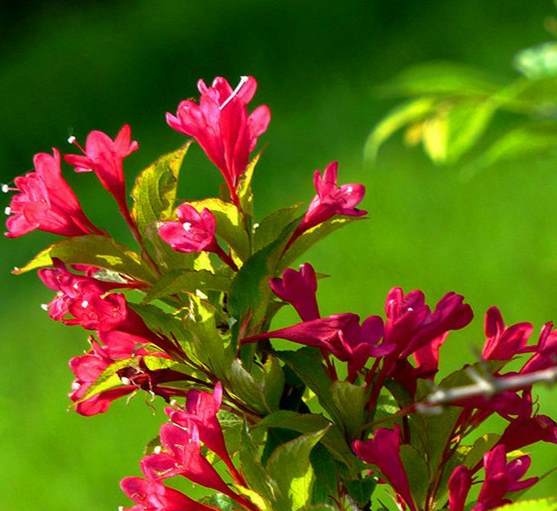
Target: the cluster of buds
pixel 186 316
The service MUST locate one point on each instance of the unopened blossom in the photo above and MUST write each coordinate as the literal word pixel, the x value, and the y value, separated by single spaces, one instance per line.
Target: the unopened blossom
pixel 298 288
pixel 383 451
pixel 331 199
pixel 201 409
pixel 502 478
pixel 44 201
pixel 105 157
pixel 503 343
pixel 460 482
pixel 222 126
pixel 152 495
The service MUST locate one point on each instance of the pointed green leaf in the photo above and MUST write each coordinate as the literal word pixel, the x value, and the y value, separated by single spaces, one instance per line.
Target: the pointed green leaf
pixel 273 225
pixel 314 235
pixel 245 192
pixel 350 401
pixel 185 281
pixel 289 466
pixel 100 251
pixel 154 194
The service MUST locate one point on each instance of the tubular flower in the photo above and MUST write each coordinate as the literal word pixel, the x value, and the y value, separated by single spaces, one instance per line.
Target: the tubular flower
pixel 182 456
pixel 201 409
pixel 193 232
pixel 331 200
pixel 460 483
pixel 503 343
pixel 522 432
pixel 105 157
pixel 383 451
pixel 118 346
pixel 152 495
pixel 339 334
pixel 545 352
pixel 44 201
pixel 502 478
pixel 221 125
pixel 298 288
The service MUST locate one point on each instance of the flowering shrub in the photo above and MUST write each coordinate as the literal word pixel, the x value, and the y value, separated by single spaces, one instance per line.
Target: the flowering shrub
pixel 315 424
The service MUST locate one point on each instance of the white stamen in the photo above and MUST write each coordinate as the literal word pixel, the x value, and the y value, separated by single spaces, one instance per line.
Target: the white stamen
pixel 8 210
pixel 186 226
pixel 410 309
pixel 16 269
pixel 75 285
pixel 85 304
pixel 173 402
pixel 44 306
pixel 201 294
pixel 157 449
pixel 71 139
pixel 243 80
pixel 5 188
pixel 120 508
pixel 75 386
pixel 349 189
pixel 125 381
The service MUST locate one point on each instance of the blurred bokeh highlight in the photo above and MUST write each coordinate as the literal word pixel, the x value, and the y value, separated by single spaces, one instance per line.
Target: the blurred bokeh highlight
pixel 66 69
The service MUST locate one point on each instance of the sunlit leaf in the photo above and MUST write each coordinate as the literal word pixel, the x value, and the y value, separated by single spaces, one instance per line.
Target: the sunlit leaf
pixel 531 505
pixel 538 62
pixel 93 250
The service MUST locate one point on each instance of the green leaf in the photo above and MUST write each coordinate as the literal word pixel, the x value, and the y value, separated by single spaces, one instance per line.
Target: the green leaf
pixel 441 79
pixel 230 224
pixel 350 401
pixel 326 470
pixel 250 292
pixel 407 113
pixel 531 505
pixel 361 490
pixel 289 466
pixel 417 472
pixel 538 62
pixel 210 348
pixel 154 194
pixel 273 382
pixel 521 142
pixel 245 386
pixel 307 363
pixel 100 251
pixel 480 447
pixel 314 235
pixel 308 423
pixel 455 129
pixel 164 324
pixel 185 281
pixel 272 226
pixel 253 470
pixel 245 192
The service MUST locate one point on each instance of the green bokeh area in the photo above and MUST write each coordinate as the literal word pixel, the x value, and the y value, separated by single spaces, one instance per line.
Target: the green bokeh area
pixel 66 70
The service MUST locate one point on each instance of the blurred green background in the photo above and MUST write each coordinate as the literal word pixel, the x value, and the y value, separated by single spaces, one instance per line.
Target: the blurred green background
pixel 66 70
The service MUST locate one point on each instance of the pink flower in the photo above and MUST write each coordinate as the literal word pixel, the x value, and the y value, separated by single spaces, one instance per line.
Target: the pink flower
pixel 460 483
pixel 339 334
pixel 105 157
pixel 151 495
pixel 545 352
pixel 118 346
pixel 202 409
pixel 331 200
pixel 221 125
pixel 298 288
pixel 193 232
pixel 524 431
pixel 383 451
pixel 411 325
pixel 45 201
pixel 503 343
pixel 502 478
